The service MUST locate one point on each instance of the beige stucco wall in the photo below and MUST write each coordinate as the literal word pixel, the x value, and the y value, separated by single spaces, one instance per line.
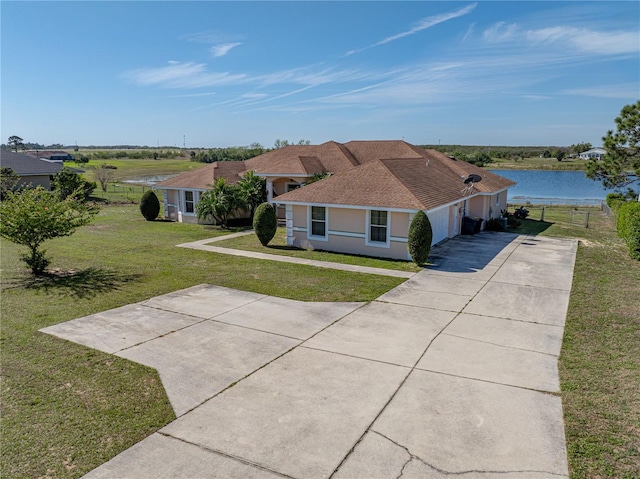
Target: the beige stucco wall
pixel 351 221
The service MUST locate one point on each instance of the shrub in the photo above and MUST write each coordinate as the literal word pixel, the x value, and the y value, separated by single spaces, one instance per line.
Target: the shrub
pixel 149 205
pixel 629 226
pixel 494 224
pixel 67 182
pixel 420 237
pixel 265 223
pixel 613 198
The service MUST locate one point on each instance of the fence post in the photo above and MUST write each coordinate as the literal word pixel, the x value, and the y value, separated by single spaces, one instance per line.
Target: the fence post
pixel 586 220
pixel 542 215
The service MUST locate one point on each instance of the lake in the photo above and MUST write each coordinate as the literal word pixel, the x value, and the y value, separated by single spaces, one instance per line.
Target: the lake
pixel 553 187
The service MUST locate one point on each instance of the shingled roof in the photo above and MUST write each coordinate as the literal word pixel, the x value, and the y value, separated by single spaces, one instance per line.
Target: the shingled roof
pixel 424 179
pixel 25 165
pixel 203 178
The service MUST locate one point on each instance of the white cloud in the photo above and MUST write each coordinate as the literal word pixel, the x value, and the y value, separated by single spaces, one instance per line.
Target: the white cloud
pixel 621 90
pixel 211 37
pixel 423 24
pixel 181 75
pixel 222 49
pixel 500 32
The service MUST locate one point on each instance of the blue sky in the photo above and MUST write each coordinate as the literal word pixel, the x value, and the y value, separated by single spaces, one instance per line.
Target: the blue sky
pixel 217 74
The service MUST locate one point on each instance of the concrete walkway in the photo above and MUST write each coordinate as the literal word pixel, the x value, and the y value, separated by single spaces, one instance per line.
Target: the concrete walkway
pixel 452 372
pixel 205 245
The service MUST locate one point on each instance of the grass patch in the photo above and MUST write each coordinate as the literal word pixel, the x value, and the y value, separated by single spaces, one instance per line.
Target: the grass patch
pixel 278 246
pixel 66 408
pixel 535 163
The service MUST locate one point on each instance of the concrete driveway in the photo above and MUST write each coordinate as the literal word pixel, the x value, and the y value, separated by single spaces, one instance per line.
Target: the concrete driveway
pixel 452 372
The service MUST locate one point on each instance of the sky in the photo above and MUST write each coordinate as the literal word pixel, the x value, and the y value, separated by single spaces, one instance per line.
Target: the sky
pixel 218 74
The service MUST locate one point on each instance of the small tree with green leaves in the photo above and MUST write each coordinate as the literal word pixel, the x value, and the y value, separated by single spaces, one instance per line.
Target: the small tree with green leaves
pixel 265 223
pixel 252 190
pixel 8 181
pixel 149 205
pixel 15 143
pixel 220 203
pixel 420 237
pixel 67 182
pixel 35 215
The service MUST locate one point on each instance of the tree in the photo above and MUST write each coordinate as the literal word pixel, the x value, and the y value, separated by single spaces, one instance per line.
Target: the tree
pixel 558 154
pixel 252 190
pixel 220 203
pixel 35 215
pixel 103 175
pixel 67 182
pixel 15 143
pixel 420 237
pixel 149 205
pixel 8 181
pixel 620 167
pixel 265 223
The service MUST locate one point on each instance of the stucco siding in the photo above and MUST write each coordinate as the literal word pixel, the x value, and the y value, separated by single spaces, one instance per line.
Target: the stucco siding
pixel 347 220
pixel 399 224
pixel 351 245
pixel 34 182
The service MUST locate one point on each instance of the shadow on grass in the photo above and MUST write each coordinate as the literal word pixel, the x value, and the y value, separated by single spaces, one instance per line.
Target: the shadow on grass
pixel 531 227
pixel 78 284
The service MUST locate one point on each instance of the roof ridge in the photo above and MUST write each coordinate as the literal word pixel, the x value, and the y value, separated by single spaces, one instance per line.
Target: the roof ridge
pixel 405 187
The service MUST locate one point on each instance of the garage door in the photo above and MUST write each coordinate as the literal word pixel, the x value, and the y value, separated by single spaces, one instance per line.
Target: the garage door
pixel 439 224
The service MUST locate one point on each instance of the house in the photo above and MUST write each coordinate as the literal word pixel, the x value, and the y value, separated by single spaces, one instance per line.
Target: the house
pixel 57 156
pixel 368 202
pixel 597 153
pixel 32 171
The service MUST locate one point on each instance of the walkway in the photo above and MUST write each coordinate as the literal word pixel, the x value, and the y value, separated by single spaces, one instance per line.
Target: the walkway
pixel 452 372
pixel 204 245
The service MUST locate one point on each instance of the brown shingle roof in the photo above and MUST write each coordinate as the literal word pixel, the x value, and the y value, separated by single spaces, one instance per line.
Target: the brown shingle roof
pixel 202 178
pixel 405 183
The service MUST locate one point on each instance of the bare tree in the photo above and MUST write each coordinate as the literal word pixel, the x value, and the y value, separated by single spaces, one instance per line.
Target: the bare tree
pixel 103 175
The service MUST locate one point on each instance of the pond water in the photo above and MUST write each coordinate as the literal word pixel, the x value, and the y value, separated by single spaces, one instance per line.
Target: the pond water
pixel 150 180
pixel 553 187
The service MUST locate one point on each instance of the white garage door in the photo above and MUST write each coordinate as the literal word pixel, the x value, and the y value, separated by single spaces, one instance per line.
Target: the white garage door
pixel 439 224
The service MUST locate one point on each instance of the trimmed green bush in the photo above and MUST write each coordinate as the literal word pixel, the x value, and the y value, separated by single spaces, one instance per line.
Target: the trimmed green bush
pixel 149 205
pixel 628 225
pixel 265 223
pixel 420 237
pixel 613 198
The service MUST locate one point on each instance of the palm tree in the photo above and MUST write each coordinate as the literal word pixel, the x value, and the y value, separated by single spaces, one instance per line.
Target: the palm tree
pixel 253 191
pixel 220 203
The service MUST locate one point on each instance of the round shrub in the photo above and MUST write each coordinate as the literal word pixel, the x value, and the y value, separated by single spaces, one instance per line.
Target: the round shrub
pixel 265 223
pixel 420 237
pixel 149 205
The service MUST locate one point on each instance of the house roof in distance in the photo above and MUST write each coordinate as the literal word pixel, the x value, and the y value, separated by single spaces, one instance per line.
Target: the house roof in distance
pixel 25 165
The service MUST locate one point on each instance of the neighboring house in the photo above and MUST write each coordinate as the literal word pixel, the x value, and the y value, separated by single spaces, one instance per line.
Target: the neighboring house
pixel 597 153
pixel 32 171
pixel 57 156
pixel 367 205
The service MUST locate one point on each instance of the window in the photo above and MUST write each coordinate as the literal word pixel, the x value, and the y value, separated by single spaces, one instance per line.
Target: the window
pixel 378 227
pixel 318 221
pixel 188 202
pixel 498 199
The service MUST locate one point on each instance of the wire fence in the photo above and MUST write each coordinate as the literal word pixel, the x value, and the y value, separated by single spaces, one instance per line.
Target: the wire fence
pixel 121 192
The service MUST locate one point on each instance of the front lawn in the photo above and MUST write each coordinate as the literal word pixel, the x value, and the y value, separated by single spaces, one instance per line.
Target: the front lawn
pixel 278 245
pixel 66 408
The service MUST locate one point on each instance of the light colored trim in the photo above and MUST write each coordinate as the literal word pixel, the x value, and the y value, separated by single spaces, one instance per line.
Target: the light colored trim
pixel 399 239
pixel 378 244
pixel 310 234
pixel 292 183
pixel 348 234
pixel 289 222
pixel 300 229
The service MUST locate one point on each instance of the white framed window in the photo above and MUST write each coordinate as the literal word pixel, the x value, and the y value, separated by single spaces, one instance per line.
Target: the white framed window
pixel 189 202
pixel 290 186
pixel 378 228
pixel 318 222
pixel 498 199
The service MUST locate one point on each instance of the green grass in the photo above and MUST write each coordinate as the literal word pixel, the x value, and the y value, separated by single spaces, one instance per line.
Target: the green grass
pixel 278 246
pixel 127 169
pixel 537 164
pixel 67 409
